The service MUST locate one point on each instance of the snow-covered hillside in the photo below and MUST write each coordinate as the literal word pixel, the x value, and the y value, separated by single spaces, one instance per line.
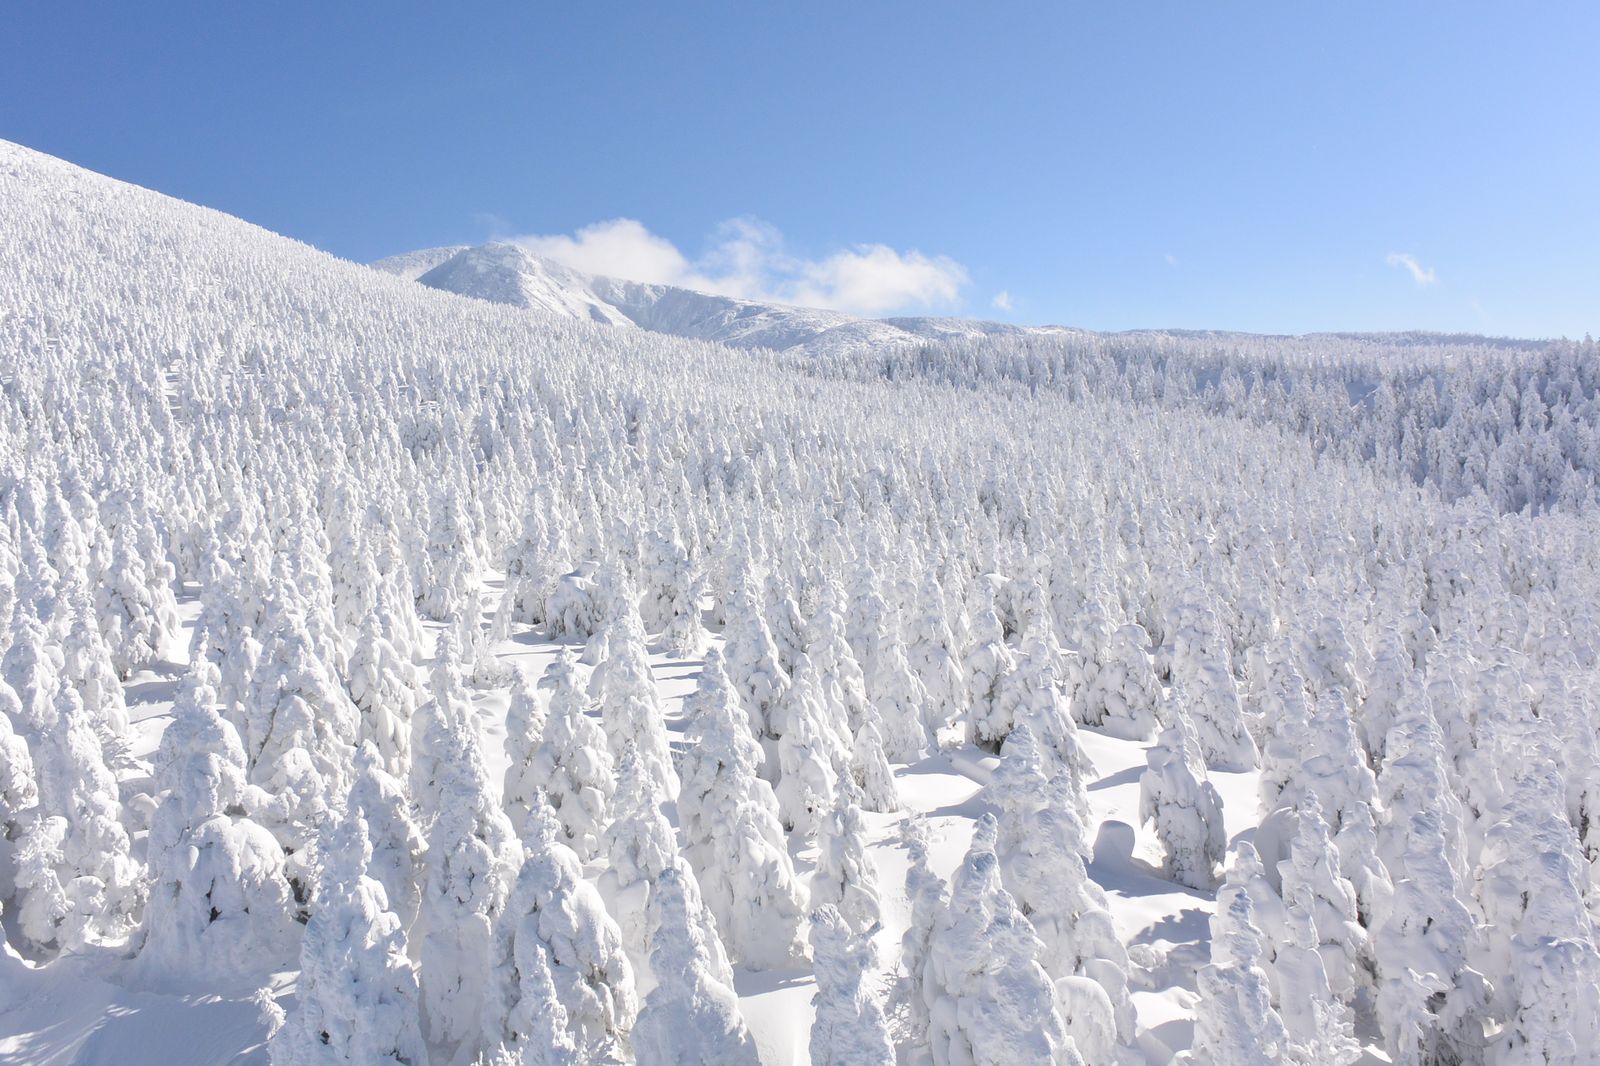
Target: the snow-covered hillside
pixel 387 676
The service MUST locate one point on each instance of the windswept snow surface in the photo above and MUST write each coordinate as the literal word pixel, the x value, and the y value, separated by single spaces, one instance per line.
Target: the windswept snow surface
pixel 1125 700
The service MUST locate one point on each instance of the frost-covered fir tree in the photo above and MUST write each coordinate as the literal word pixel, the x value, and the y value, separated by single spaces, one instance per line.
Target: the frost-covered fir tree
pixel 1184 807
pixel 395 839
pixel 1235 1023
pixel 134 604
pixel 691 1017
pixel 988 664
pixel 841 686
pixel 845 877
pixel 754 661
pixel 630 710
pixel 78 880
pixel 383 686
pixel 1123 698
pixel 925 891
pixel 729 819
pixel 221 909
pixel 299 730
pixel 1043 850
pixel 671 587
pixel 1319 1024
pixel 472 856
pixel 357 998
pixel 572 764
pixel 552 911
pixel 812 756
pixel 934 657
pixel 525 721
pixel 1313 869
pixel 848 1029
pixel 1213 705
pixel 1034 695
pixel 989 1000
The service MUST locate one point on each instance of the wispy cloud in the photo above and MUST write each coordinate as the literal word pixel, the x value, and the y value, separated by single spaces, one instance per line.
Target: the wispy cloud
pixel 1172 260
pixel 1420 274
pixel 1001 301
pixel 748 258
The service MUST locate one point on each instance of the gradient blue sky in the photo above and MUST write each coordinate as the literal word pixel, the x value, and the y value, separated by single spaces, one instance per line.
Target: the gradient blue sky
pixel 1244 166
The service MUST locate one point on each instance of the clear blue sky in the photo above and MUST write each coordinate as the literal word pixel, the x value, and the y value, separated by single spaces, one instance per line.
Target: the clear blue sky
pixel 1248 166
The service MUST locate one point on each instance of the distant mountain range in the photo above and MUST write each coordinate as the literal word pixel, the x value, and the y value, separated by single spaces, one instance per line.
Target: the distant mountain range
pixel 510 274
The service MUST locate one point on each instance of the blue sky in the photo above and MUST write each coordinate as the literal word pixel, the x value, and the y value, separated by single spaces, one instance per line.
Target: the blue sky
pixel 1271 167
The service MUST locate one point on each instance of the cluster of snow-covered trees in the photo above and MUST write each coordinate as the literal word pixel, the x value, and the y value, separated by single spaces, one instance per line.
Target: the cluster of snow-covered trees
pixel 357 489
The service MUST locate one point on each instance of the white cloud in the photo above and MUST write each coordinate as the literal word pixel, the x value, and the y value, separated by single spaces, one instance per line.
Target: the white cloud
pixel 620 248
pixel 747 258
pixel 1171 259
pixel 1420 274
pixel 1001 301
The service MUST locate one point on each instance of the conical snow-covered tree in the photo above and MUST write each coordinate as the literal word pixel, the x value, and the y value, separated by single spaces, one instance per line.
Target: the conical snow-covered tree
pixel 1313 867
pixel 1123 698
pixel 849 1028
pixel 988 664
pixel 382 685
pixel 1043 850
pixel 935 658
pixel 691 1017
pixel 731 833
pixel 472 857
pixel 630 710
pixel 396 840
pixel 572 764
pixel 78 880
pixel 845 877
pixel 358 995
pixel 1235 1023
pixel 552 910
pixel 811 753
pixel 221 908
pixel 990 1002
pixel 1183 805
pixel 754 661
pixel 1319 1024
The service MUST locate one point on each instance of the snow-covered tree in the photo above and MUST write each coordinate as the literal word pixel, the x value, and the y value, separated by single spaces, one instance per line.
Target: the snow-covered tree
pixel 472 856
pixel 811 752
pixel 555 914
pixel 691 1017
pixel 1235 1022
pixel 1122 697
pixel 1184 807
pixel 988 664
pixel 78 879
pixel 754 661
pixel 630 710
pixel 849 1029
pixel 1319 1025
pixel 357 998
pixel 731 834
pixel 990 1002
pixel 382 685
pixel 221 908
pixel 845 877
pixel 934 657
pixel 395 839
pixel 572 764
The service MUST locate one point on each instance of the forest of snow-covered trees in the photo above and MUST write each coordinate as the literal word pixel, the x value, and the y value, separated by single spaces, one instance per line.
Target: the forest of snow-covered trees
pixel 392 677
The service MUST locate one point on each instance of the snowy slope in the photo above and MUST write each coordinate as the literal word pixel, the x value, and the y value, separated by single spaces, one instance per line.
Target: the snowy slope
pixel 1358 637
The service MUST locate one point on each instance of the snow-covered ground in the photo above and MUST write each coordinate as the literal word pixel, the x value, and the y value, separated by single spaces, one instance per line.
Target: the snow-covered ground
pixel 99 1013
